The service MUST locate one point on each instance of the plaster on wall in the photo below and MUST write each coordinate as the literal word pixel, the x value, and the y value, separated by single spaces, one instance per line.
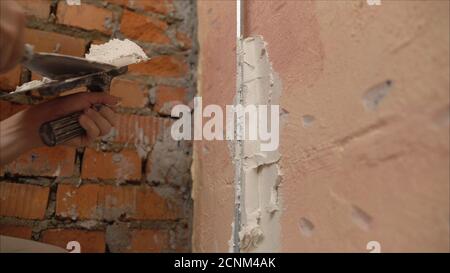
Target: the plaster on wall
pixel 362 160
pixel 262 176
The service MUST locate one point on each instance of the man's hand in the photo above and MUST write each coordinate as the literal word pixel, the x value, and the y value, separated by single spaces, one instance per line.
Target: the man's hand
pixel 12 23
pixel 20 132
pixel 95 122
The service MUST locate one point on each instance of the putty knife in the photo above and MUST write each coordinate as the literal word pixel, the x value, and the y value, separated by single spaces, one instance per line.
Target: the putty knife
pixel 65 73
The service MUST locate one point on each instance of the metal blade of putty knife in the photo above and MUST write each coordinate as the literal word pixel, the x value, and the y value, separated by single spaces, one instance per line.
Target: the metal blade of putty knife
pixel 66 72
pixel 60 67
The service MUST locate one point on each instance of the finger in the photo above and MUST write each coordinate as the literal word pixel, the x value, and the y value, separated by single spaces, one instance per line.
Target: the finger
pixel 76 102
pixel 92 131
pixel 109 115
pixel 102 124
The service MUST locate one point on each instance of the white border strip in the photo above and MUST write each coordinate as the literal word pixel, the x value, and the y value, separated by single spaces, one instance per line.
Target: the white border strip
pixel 238 179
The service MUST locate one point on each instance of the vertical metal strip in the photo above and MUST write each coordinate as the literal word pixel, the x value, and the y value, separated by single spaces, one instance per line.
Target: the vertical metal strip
pixel 238 132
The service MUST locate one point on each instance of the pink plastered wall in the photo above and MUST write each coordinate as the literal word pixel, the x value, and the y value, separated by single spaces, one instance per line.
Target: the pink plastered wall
pixel 365 130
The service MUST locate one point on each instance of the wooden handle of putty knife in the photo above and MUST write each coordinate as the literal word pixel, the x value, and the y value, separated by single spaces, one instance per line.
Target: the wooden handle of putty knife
pixel 63 129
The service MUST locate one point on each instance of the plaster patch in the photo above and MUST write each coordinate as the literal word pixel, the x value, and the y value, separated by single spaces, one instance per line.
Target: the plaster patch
pixel 231 241
pixel 141 143
pixel 376 94
pixel 169 161
pixel 251 234
pixel 260 207
pixel 308 120
pixel 73 2
pixel 57 171
pixel 88 224
pixel 306 226
pixel 110 136
pixel 117 52
pixel 117 237
pixel 361 218
pixel 32 84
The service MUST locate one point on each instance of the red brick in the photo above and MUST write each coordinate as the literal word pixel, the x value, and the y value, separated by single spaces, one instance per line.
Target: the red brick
pixel 183 40
pixel 167 96
pixel 90 241
pixel 99 41
pixel 157 6
pixel 136 129
pixel 149 240
pixel 85 16
pixel 96 201
pixel 8 109
pixel 162 66
pixel 22 200
pixel 144 28
pixel 45 161
pixel 132 93
pixel 16 231
pixel 125 165
pixel 36 8
pixel 10 80
pixel 44 41
pixel 118 2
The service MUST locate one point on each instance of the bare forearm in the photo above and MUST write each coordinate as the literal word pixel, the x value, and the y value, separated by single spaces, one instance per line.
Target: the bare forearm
pixel 18 134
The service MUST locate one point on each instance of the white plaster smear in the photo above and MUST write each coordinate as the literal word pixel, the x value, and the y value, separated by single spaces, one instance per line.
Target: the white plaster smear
pixel 73 2
pixel 32 84
pixel 117 52
pixel 260 208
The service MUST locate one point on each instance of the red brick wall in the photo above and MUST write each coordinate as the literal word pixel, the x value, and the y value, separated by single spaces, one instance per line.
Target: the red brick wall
pixel 129 192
